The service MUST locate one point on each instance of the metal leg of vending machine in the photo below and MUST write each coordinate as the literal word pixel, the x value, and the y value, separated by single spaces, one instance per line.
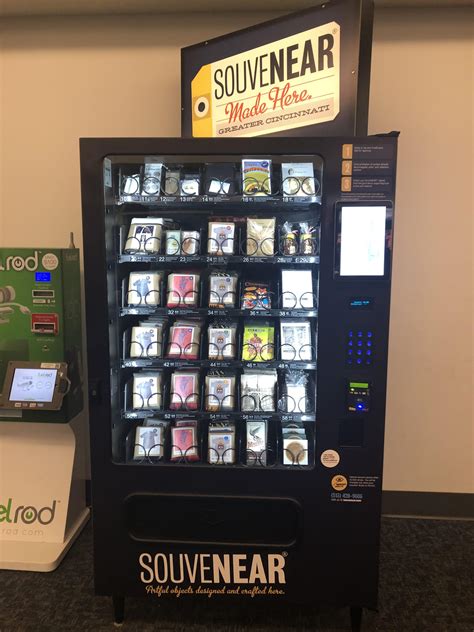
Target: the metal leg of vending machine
pixel 43 494
pixel 356 618
pixel 119 609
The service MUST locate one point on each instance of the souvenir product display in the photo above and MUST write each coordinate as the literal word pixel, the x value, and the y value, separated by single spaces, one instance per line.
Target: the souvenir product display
pixel 184 390
pixel 189 185
pixel 295 399
pixel 261 237
pixel 147 390
pixel 144 288
pixel 172 180
pixel 258 341
pixel 308 239
pixel 151 184
pixel 184 340
pixel 144 235
pixel 131 184
pixel 258 390
pixel 220 392
pixel 289 239
pixel 149 442
pixel 256 295
pixel 297 289
pixel 190 240
pixel 146 340
pixel 221 236
pixel 295 445
pixel 298 179
pixel 256 177
pixel 219 179
pixel 295 340
pixel 222 289
pixel 184 242
pixel 173 242
pixel 183 289
pixel 257 442
pixel 221 443
pixel 222 338
pixel 184 441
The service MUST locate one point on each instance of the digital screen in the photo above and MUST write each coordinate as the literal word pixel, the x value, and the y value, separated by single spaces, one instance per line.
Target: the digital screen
pixel 361 302
pixel 363 240
pixel 33 385
pixel 43 277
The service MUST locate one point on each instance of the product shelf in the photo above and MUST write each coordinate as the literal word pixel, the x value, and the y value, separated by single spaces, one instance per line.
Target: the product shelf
pixel 149 363
pixel 209 202
pixel 221 312
pixel 219 416
pixel 219 260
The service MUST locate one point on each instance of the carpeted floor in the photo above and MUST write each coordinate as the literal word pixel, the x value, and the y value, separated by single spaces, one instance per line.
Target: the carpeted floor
pixel 426 586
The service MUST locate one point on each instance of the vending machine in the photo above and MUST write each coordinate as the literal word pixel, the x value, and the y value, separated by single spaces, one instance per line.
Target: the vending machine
pixel 238 298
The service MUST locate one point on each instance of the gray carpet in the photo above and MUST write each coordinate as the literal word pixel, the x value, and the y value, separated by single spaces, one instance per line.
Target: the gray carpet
pixel 426 586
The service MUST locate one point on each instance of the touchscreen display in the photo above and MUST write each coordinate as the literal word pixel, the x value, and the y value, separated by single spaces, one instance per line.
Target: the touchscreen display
pixel 33 385
pixel 363 240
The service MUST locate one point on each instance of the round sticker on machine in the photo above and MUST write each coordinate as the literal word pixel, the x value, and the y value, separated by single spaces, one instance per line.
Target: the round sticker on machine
pixel 50 261
pixel 339 482
pixel 330 458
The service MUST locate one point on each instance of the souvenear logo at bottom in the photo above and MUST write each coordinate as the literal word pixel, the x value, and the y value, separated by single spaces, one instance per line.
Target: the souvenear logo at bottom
pixel 27 514
pixel 212 568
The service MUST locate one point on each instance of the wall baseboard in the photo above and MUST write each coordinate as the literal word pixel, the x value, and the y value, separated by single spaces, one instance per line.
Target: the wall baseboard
pixel 428 504
pixel 420 504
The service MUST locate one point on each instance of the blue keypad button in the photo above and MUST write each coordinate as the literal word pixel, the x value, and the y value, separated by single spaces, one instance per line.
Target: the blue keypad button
pixel 359 352
pixel 350 343
pixel 369 352
pixel 350 352
pixel 359 343
pixel 368 343
pixel 369 334
pixel 351 333
pixel 360 334
pixel 359 361
pixel 349 362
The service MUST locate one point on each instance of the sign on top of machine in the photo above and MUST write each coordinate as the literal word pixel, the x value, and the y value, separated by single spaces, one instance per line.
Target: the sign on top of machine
pixel 303 74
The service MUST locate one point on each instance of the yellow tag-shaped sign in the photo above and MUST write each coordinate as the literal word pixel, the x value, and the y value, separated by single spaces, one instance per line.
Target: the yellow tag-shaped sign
pixel 289 83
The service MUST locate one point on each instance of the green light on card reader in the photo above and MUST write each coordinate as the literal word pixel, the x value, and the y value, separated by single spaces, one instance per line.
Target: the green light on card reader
pixel 358 385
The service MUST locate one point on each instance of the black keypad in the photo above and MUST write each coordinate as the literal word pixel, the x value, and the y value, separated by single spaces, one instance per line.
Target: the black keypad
pixel 360 347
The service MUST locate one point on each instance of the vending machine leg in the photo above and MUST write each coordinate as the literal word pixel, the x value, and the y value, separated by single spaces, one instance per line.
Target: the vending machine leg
pixel 119 609
pixel 356 618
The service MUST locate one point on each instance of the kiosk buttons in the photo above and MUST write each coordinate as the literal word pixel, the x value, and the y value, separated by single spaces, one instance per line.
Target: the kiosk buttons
pixel 359 347
pixel 358 397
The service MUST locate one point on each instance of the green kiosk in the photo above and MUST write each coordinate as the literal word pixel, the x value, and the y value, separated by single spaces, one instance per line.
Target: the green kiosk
pixel 42 428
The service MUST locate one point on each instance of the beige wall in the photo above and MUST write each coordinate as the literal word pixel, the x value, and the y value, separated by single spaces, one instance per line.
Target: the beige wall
pixel 69 77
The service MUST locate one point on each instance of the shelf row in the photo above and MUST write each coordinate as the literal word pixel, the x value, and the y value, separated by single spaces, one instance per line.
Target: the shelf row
pixel 249 178
pixel 267 392
pixel 185 235
pixel 254 341
pixel 257 443
pixel 220 289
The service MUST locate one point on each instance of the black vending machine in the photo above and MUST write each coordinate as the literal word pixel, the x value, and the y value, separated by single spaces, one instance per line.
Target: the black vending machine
pixel 238 299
